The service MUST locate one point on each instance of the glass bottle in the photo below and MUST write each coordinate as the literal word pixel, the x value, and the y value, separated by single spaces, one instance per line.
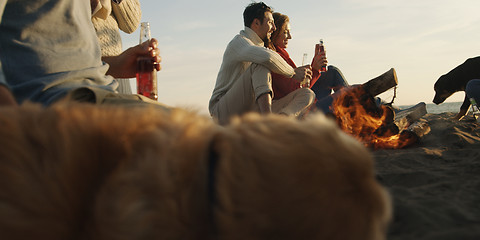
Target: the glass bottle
pixel 306 82
pixel 475 109
pixel 146 71
pixel 321 51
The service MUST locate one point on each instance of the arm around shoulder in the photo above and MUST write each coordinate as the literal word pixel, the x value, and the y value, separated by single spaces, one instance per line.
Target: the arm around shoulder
pixel 263 56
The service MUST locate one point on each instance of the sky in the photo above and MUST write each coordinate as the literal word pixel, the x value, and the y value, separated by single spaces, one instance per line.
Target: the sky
pixel 421 39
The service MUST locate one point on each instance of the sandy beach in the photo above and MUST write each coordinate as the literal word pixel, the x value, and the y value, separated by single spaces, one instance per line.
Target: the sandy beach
pixel 435 183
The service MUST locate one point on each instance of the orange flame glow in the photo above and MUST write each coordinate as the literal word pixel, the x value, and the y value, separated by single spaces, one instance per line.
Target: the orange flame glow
pixel 358 115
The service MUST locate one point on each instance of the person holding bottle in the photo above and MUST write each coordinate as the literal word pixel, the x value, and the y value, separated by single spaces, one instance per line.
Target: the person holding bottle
pixel 109 17
pixel 46 65
pixel 322 83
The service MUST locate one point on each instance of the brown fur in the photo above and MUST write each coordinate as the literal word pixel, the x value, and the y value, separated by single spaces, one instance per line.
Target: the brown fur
pixel 89 172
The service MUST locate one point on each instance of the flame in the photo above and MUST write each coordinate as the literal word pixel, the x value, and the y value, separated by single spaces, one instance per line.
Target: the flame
pixel 358 115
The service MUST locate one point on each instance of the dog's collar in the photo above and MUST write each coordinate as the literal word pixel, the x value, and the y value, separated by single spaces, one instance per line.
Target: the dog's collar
pixel 212 164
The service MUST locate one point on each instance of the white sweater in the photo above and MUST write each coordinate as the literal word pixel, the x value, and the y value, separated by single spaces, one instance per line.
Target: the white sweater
pixel 244 49
pixel 125 16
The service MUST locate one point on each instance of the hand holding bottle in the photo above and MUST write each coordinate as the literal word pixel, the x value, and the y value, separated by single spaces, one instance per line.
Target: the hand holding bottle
pixel 303 75
pixel 125 64
pixel 320 59
pixel 146 67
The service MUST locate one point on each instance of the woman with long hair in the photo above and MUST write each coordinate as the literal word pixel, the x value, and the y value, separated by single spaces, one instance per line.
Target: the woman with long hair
pixel 322 83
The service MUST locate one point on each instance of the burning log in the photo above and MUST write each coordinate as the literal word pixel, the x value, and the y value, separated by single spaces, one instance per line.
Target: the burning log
pixel 357 113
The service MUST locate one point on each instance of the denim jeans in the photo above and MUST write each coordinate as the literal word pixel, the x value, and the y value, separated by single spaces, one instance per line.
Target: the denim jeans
pixel 473 89
pixel 332 79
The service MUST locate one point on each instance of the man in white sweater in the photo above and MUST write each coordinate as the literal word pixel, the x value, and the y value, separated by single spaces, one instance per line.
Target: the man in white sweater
pixel 244 82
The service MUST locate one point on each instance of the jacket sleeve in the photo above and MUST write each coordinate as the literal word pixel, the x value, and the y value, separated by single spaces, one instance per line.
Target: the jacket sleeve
pixel 248 52
pixel 128 14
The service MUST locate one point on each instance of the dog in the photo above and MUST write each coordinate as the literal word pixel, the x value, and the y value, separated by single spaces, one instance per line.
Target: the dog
pixel 79 171
pixel 456 80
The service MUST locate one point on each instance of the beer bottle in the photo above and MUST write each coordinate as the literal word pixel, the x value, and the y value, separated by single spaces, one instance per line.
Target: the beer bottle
pixel 146 72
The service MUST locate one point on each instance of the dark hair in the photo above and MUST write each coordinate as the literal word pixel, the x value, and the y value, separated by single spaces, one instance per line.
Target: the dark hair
pixel 255 11
pixel 281 21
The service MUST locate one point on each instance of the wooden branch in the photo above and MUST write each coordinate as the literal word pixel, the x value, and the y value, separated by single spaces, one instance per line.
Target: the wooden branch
pixel 410 120
pixel 406 117
pixel 381 83
pixel 420 128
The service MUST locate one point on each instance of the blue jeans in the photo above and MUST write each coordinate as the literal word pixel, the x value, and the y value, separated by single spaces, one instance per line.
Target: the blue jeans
pixel 332 79
pixel 473 90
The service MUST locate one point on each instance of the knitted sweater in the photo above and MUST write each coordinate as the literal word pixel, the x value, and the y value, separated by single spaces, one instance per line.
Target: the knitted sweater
pixel 49 47
pixel 125 16
pixel 244 49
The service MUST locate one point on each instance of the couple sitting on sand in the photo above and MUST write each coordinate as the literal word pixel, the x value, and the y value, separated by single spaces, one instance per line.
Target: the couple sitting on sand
pixel 255 78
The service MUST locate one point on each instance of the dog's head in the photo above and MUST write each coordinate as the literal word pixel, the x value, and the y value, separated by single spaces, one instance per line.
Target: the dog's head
pixel 443 89
pixel 456 80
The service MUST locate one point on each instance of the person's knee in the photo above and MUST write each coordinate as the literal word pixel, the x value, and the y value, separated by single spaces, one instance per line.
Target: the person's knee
pixel 307 93
pixel 473 84
pixel 310 94
pixel 336 78
pixel 472 89
pixel 333 68
pixel 261 78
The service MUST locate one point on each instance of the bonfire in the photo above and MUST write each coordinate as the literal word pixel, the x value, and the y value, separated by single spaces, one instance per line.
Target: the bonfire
pixel 357 113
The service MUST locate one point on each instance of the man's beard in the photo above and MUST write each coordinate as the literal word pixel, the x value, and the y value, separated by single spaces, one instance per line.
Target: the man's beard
pixel 266 41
